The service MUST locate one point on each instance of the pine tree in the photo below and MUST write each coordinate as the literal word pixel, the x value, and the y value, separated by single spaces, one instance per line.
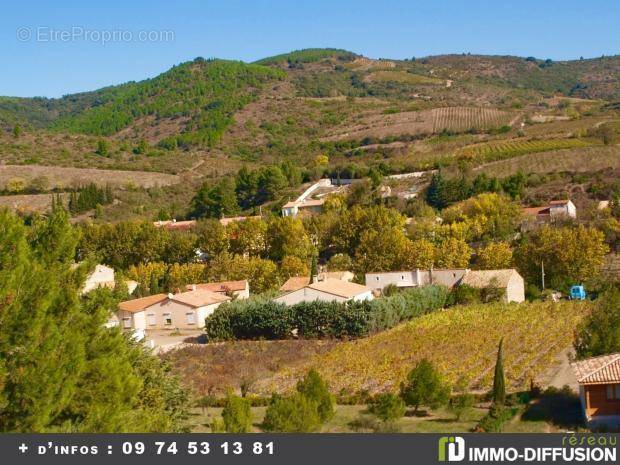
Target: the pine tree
pixel 67 371
pixel 499 381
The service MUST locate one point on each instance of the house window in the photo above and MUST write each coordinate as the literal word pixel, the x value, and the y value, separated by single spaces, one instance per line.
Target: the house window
pixel 402 277
pixel 377 278
pixel 127 322
pixel 151 320
pixel 613 392
pixel 168 319
pixel 191 318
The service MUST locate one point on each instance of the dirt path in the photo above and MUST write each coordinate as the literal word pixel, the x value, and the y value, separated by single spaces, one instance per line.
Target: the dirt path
pixel 562 374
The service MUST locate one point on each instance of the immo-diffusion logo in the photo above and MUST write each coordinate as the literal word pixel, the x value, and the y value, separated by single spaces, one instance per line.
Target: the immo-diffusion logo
pixel 451 448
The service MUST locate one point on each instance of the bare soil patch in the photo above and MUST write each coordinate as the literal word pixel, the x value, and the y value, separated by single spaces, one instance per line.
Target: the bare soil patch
pixel 61 177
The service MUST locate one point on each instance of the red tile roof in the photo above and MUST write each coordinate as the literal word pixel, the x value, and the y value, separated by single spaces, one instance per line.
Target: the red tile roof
pixel 534 211
pixel 199 298
pixel 294 283
pixel 598 370
pixel 137 305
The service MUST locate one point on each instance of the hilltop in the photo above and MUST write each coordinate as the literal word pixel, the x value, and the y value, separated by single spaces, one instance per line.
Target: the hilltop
pixel 207 118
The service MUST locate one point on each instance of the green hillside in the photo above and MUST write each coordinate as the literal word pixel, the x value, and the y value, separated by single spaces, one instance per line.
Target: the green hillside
pixel 308 55
pixel 204 93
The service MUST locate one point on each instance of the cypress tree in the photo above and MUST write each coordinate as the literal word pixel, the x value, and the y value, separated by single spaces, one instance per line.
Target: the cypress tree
pixel 499 381
pixel 314 269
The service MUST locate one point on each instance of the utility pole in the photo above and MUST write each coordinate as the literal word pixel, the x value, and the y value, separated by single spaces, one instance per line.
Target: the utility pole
pixel 542 273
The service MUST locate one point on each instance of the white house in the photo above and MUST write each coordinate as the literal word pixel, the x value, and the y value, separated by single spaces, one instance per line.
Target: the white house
pixel 305 204
pixel 328 290
pixel 509 280
pixel 446 277
pixel 102 276
pixel 186 310
pixel 557 210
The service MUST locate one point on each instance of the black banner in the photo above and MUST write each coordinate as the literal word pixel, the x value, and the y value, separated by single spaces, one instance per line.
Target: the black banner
pixel 315 449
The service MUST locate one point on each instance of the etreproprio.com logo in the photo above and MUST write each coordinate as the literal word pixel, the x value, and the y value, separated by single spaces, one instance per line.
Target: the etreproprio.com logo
pixel 453 449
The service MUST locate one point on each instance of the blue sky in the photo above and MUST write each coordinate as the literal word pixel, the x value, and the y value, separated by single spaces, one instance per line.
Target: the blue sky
pixel 54 48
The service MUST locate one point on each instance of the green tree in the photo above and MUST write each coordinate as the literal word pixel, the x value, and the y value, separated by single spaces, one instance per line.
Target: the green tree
pixel 211 237
pixel 17 131
pixel 248 237
pixel 463 401
pixel 499 380
pixel 288 237
pixel 599 333
pixel 424 386
pixel 102 147
pixel 452 253
pixel 388 407
pixel 570 255
pixel 295 414
pixel 237 414
pixel 494 256
pixel 215 201
pixel 293 266
pixel 314 268
pixel 71 372
pixel 315 388
pixel 339 262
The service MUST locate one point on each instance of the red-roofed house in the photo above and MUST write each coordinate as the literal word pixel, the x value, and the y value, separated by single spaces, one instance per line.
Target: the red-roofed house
pixel 556 210
pixel 599 387
pixel 186 310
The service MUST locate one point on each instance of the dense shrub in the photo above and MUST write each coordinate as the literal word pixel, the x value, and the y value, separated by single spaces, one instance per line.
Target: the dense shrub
pixel 261 318
pixel 237 415
pixel 425 386
pixel 315 388
pixel 494 421
pixel 295 414
pixel 388 407
pixel 390 311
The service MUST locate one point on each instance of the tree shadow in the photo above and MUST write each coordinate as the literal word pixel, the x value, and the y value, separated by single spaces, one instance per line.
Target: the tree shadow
pixel 560 407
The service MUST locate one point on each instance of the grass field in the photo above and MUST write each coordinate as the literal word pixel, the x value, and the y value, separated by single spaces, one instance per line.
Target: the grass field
pixel 544 415
pixel 461 342
pixel 356 419
pixel 580 160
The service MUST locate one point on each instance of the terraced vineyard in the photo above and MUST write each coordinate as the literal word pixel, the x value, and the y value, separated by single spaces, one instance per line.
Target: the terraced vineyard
pixel 461 342
pixel 436 120
pixel 578 160
pixel 500 150
pixel 459 119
